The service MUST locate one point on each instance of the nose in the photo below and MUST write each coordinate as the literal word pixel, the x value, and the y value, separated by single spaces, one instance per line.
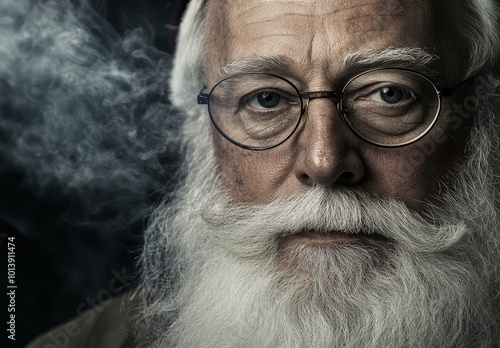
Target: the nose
pixel 328 151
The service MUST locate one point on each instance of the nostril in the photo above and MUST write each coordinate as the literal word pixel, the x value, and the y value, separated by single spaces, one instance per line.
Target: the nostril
pixel 347 178
pixel 305 179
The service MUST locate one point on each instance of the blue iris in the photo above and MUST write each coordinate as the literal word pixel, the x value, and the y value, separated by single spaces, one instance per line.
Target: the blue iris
pixel 391 94
pixel 268 99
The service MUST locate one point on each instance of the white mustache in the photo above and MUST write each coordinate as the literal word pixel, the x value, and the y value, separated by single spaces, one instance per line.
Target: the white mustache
pixel 250 231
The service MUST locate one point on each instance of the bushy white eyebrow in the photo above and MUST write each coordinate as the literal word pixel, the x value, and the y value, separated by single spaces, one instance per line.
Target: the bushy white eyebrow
pixel 397 57
pixel 261 64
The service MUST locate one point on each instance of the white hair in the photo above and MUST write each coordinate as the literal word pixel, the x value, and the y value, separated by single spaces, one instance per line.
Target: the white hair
pixel 187 71
pixel 481 32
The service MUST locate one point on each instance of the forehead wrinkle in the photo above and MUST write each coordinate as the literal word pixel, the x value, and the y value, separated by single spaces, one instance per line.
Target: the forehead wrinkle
pixel 301 7
pixel 369 21
pixel 290 37
pixel 256 14
pixel 381 7
pixel 380 16
pixel 305 19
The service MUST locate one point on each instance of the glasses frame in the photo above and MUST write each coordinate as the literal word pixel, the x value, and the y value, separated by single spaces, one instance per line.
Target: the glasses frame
pixel 337 96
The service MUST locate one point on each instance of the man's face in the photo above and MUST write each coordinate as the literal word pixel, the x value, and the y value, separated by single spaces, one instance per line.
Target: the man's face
pixel 314 37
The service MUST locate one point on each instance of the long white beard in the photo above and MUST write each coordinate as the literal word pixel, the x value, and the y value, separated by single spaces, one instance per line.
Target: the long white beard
pixel 232 281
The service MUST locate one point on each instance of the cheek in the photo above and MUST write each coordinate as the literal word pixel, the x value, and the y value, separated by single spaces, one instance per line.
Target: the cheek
pixel 252 176
pixel 438 153
pixel 416 173
pixel 227 163
pixel 407 176
pixel 238 168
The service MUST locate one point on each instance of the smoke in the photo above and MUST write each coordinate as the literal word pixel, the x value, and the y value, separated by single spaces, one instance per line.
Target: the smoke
pixel 84 110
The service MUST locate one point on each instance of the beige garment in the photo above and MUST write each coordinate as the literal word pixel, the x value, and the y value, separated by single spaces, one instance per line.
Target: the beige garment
pixel 104 326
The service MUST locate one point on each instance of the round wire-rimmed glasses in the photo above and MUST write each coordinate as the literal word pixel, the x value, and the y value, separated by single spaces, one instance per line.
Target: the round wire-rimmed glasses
pixel 388 107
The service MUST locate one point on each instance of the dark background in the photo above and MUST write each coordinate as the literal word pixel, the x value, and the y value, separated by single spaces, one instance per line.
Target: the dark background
pixel 62 259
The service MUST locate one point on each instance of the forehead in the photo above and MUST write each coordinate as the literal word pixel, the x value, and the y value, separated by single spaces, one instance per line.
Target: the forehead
pixel 331 17
pixel 317 34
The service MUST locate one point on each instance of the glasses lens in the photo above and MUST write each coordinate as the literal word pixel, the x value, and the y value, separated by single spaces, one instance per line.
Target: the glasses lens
pixel 390 107
pixel 256 111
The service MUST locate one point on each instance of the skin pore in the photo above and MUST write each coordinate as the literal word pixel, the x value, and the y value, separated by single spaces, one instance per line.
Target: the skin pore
pixel 314 37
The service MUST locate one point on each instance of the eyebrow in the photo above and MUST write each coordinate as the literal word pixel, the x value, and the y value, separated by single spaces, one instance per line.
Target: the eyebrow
pixel 260 64
pixel 393 57
pixel 398 57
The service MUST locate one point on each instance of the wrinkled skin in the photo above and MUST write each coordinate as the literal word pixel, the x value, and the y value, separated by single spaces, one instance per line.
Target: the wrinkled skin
pixel 315 36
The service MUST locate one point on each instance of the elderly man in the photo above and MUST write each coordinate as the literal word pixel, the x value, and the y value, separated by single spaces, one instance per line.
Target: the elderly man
pixel 341 189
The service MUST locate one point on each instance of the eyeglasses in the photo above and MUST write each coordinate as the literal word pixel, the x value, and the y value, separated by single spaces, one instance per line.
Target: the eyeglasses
pixel 385 107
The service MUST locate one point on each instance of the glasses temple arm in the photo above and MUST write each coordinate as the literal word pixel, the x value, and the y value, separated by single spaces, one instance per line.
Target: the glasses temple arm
pixel 448 91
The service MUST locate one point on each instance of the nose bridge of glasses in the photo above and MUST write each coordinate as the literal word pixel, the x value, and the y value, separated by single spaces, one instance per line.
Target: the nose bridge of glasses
pixel 318 95
pixel 321 94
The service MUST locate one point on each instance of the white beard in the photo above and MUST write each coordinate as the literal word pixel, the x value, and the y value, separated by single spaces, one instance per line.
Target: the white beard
pixel 236 283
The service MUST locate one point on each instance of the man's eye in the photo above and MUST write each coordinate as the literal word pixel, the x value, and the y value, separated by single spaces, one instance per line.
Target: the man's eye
pixel 268 99
pixel 263 100
pixel 392 95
